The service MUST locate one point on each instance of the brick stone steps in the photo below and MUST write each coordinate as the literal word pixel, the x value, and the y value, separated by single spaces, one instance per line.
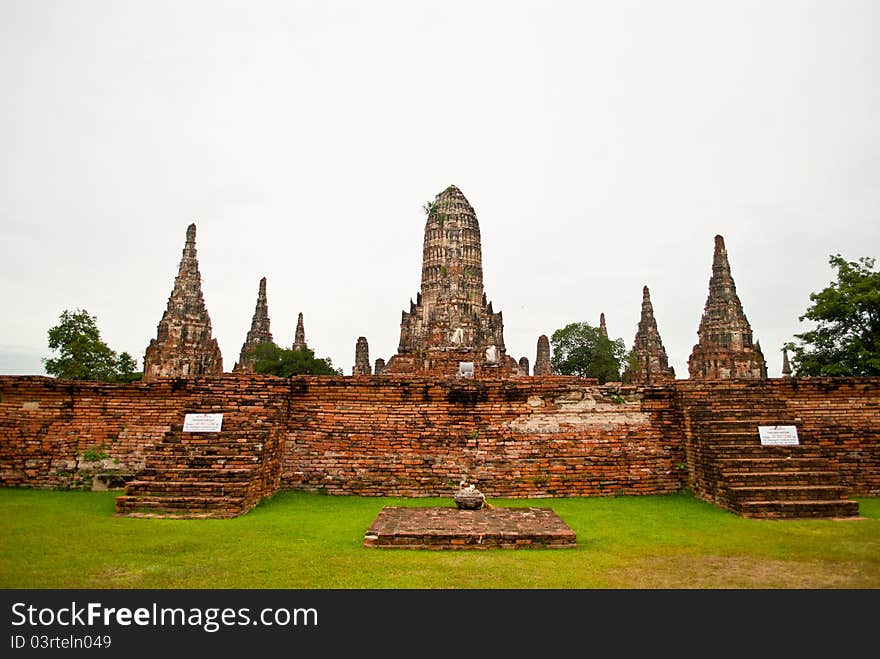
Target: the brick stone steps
pixel 200 475
pixel 730 439
pixel 795 463
pixel 778 509
pixel 758 451
pixel 224 506
pixel 204 464
pixel 203 461
pixel 792 477
pixel 746 493
pixel 216 475
pixel 226 448
pixel 780 482
pixel 187 488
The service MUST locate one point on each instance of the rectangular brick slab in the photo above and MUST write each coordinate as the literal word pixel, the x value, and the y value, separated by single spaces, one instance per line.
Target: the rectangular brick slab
pixel 451 528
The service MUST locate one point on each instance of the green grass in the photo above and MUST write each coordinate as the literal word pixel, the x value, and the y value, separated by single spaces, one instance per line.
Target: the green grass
pixel 299 540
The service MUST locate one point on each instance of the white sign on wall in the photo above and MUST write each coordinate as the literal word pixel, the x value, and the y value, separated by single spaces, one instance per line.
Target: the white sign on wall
pixel 202 422
pixel 778 435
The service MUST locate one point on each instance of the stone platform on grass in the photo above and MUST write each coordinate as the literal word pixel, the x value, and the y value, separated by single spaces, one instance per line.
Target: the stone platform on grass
pixel 451 528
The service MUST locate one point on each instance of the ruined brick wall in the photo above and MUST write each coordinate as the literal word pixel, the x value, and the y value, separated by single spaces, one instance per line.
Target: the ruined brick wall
pixel 840 417
pixel 398 435
pixel 523 437
pixel 47 426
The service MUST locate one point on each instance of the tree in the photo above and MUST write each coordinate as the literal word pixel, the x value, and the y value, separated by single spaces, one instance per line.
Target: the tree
pixel 583 350
pixel 847 338
pixel 82 355
pixel 631 367
pixel 270 359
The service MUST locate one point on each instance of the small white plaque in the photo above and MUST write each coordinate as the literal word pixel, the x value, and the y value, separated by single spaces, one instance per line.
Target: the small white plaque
pixel 465 369
pixel 202 422
pixel 778 435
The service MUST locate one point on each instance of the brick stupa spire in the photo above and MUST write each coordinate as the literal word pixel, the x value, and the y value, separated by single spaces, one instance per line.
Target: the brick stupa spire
pixel 451 320
pixel 542 358
pixel 184 346
pixel 299 338
pixel 602 327
pixel 725 349
pixel 653 364
pixel 258 334
pixel 361 357
pixel 786 367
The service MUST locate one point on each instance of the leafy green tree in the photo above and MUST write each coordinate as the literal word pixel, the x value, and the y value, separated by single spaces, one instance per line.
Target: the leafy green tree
pixel 82 355
pixel 270 359
pixel 631 367
pixel 846 340
pixel 583 350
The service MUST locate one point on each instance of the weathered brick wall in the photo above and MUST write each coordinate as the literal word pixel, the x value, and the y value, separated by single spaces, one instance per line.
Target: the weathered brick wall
pixel 398 435
pixel 840 416
pixel 47 425
pixel 522 437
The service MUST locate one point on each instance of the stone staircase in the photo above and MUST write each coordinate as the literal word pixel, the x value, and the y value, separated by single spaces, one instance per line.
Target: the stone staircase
pixel 752 480
pixel 202 475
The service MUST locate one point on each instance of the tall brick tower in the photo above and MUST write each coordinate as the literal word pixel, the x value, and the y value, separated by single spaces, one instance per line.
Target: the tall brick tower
pixel 725 349
pixel 451 320
pixel 183 346
pixel 258 334
pixel 653 364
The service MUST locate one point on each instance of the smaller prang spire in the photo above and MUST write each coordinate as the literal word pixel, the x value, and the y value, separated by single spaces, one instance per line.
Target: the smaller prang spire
pixel 652 364
pixel 542 359
pixel 361 357
pixel 763 363
pixel 299 338
pixel 602 327
pixel 786 367
pixel 725 349
pixel 184 345
pixel 258 334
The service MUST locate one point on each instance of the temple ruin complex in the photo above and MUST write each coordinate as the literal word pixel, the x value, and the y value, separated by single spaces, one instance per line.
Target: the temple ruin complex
pixel 410 427
pixel 452 328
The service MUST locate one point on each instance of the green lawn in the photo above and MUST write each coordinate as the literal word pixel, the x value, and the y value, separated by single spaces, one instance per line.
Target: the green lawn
pixel 298 540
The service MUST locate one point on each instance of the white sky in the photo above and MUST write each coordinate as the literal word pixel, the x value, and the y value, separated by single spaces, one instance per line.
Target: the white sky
pixel 602 145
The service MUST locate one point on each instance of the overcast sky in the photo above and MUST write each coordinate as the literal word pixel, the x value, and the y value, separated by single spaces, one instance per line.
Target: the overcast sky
pixel 602 145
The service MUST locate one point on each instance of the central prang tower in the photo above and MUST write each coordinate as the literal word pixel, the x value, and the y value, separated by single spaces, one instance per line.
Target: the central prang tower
pixel 451 321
